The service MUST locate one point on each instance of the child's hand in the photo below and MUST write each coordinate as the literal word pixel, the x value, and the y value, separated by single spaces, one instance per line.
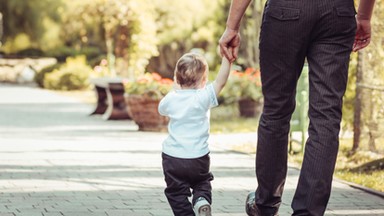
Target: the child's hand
pixel 220 54
pixel 218 51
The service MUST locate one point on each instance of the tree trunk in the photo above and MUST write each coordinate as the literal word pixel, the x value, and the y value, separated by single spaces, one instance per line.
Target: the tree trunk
pixel 122 42
pixel 1 27
pixel 165 63
pixel 358 97
pixel 372 123
pixel 110 55
pixel 250 35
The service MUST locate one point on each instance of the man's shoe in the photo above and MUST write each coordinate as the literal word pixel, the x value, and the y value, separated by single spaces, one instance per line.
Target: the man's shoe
pixel 202 207
pixel 250 205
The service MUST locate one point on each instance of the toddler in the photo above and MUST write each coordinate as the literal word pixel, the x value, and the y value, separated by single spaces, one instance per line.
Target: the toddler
pixel 185 154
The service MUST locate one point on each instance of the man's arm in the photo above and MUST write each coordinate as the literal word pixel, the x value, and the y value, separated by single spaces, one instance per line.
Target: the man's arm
pixel 363 21
pixel 222 76
pixel 365 9
pixel 236 13
pixel 231 36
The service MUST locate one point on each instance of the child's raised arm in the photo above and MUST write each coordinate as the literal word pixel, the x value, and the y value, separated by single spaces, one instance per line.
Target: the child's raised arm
pixel 222 76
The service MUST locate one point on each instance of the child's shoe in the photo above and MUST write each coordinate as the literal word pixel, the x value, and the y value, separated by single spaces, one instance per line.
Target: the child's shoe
pixel 202 207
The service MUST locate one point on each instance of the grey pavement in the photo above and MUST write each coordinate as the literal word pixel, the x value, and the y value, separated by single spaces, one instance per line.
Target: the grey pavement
pixel 55 160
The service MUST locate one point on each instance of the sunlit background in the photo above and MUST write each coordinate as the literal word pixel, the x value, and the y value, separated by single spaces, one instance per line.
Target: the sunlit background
pixel 63 44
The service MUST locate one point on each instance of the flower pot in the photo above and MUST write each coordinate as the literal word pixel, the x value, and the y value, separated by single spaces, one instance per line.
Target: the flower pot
pixel 143 111
pixel 249 108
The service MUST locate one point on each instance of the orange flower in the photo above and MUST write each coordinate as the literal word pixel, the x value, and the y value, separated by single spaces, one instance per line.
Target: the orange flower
pixel 243 84
pixel 249 71
pixel 156 76
pixel 166 81
pixel 142 80
pixel 151 84
pixel 257 74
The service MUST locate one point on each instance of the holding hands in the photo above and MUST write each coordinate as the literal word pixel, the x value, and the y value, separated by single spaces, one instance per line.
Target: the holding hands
pixel 229 44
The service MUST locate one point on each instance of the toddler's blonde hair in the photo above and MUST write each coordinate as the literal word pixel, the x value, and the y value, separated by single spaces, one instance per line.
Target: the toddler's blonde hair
pixel 190 70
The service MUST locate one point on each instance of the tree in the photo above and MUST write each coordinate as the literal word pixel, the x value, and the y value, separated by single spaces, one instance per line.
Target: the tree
pixel 184 25
pixel 125 27
pixel 357 108
pixel 27 18
pixel 1 27
pixel 369 112
pixel 250 33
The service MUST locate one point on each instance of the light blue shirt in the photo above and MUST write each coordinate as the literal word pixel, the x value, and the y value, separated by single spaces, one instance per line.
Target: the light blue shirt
pixel 189 112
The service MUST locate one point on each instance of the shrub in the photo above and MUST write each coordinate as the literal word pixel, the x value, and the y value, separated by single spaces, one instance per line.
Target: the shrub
pixel 62 53
pixel 242 85
pixel 73 75
pixel 40 75
pixel 30 52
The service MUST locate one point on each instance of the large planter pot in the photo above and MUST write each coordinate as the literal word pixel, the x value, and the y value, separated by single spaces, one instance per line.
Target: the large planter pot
pixel 143 111
pixel 249 108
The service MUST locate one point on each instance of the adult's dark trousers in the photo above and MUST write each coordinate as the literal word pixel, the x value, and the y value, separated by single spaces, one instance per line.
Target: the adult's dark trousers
pixel 182 176
pixel 322 32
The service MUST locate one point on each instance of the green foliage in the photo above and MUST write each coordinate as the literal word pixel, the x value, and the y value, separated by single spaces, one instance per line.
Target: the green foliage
pixel 345 162
pixel 30 52
pixel 40 75
pixel 370 86
pixel 129 32
pixel 63 52
pixel 349 97
pixel 124 29
pixel 372 180
pixel 102 69
pixel 242 85
pixel 250 33
pixel 225 119
pixel 73 75
pixel 185 19
pixel 185 25
pixel 25 19
pixel 19 42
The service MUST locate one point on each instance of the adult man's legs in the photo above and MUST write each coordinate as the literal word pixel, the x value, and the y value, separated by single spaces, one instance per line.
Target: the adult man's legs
pixel 283 42
pixel 328 59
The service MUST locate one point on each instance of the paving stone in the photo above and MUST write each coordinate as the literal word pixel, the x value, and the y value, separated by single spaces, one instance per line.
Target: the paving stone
pixel 4 213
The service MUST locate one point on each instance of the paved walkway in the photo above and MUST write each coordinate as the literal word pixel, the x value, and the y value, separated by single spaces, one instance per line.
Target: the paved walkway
pixel 56 160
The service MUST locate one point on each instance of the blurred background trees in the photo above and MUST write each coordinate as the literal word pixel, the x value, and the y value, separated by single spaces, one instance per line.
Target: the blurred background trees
pixel 130 34
pixel 26 24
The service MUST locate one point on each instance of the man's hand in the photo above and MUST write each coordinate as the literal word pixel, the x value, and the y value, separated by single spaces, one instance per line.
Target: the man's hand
pixel 229 44
pixel 363 34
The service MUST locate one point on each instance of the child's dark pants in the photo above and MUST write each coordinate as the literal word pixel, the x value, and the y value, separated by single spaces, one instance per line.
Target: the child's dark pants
pixel 182 175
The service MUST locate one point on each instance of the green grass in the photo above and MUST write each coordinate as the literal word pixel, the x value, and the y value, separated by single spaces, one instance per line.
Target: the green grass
pixel 374 180
pixel 225 119
pixel 345 161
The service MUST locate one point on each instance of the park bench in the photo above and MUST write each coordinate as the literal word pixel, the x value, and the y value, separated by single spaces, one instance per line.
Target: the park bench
pixel 110 98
